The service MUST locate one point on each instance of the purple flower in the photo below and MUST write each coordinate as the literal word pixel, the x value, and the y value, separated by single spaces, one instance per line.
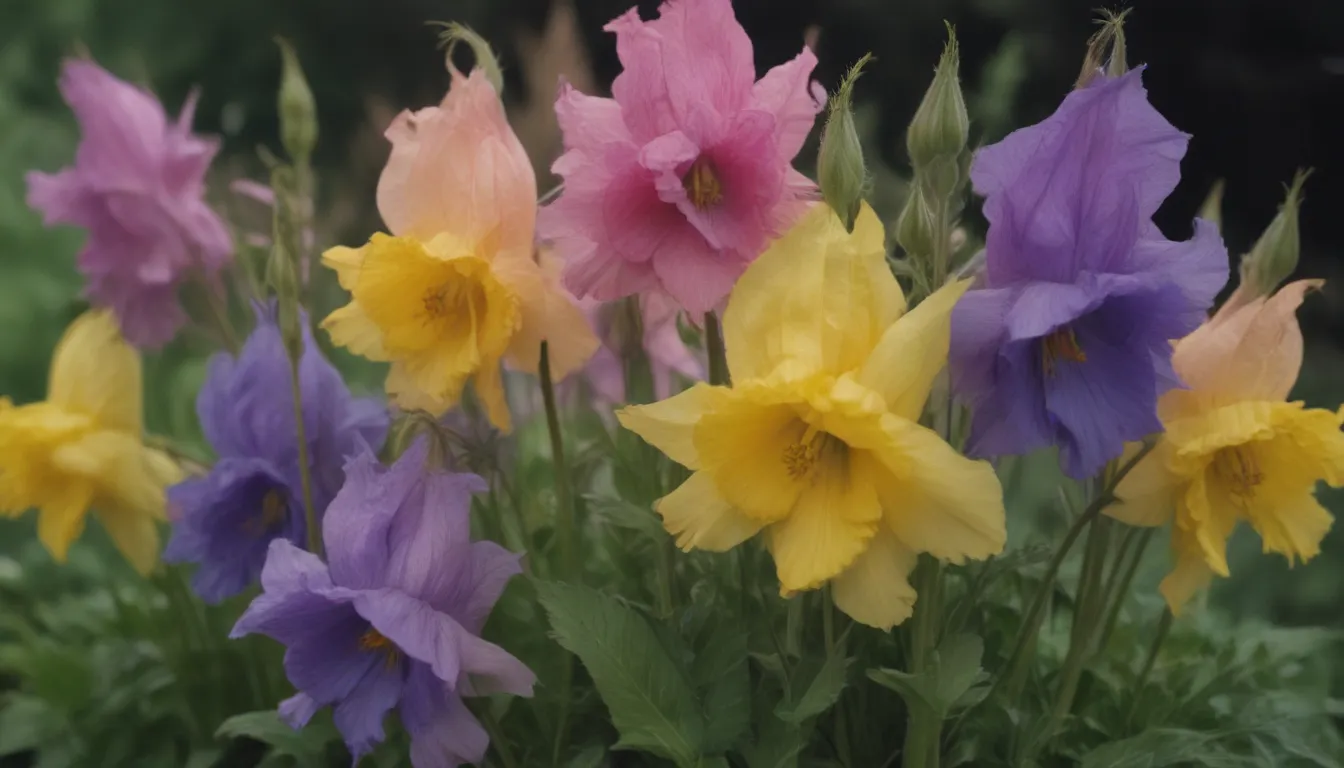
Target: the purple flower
pixel 393 619
pixel 1068 343
pixel 137 186
pixel 667 353
pixel 253 494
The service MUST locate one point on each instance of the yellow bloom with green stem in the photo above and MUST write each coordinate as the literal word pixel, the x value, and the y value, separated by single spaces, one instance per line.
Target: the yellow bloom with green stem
pixel 1233 449
pixel 817 444
pixel 81 448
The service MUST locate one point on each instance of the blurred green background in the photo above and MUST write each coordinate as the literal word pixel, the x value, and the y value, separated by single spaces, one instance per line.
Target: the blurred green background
pixel 1255 82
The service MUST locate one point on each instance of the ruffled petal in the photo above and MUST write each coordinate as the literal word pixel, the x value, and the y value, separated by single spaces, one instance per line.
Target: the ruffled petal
pixel 669 425
pixel 912 352
pixel 700 518
pixel 875 590
pixel 829 528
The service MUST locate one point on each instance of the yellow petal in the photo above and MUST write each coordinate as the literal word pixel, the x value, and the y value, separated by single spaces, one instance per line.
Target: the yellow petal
pixel 1294 526
pixel 346 262
pixel 490 390
pixel 817 299
pixel 459 168
pixel 548 314
pixel 407 395
pixel 1190 576
pixel 669 425
pixel 876 589
pixel 1249 350
pixel 744 443
pixel 1147 495
pixel 830 526
pixel 700 518
pixel 1205 518
pixel 936 500
pixel 912 352
pixel 119 468
pixel 61 517
pixel 349 327
pixel 95 372
pixel 134 531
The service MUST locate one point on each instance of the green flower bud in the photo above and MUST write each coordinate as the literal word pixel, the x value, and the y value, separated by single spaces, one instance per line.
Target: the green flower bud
pixel 1212 208
pixel 1275 254
pixel 454 33
pixel 917 227
pixel 941 125
pixel 298 110
pixel 840 168
pixel 1106 49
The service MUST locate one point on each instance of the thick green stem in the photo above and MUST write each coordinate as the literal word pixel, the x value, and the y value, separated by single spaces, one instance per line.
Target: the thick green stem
pixel 305 471
pixel 923 733
pixel 497 741
pixel 566 526
pixel 832 648
pixel 718 354
pixel 1118 590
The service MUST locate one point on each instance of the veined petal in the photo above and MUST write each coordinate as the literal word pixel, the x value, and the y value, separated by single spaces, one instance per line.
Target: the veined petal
pixel 1190 576
pixel 1148 494
pixel 95 372
pixel 346 262
pixel 831 525
pixel 743 445
pixel 936 500
pixel 61 518
pixel 350 327
pixel 700 518
pixel 1293 526
pixel 912 352
pixel 548 313
pixel 875 590
pixel 669 425
pixel 1206 518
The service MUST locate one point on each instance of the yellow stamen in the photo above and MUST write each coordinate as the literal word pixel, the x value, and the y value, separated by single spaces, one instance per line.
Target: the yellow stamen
pixel 1236 466
pixel 801 457
pixel 702 186
pixel 373 641
pixel 1061 344
pixel 272 517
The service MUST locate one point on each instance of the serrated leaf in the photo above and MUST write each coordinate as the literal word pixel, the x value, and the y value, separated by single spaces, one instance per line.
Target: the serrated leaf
pixel 818 693
pixel 306 746
pixel 592 757
pixel 1162 747
pixel 953 672
pixel 25 723
pixel 720 673
pixel 651 702
pixel 623 514
pixel 777 745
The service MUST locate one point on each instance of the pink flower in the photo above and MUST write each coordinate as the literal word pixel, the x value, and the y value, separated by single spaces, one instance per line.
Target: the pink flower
pixel 681 180
pixel 137 185
pixel 667 353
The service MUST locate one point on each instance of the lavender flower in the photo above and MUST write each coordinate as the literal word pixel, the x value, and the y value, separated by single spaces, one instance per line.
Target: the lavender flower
pixel 137 186
pixel 1069 341
pixel 393 619
pixel 667 353
pixel 253 493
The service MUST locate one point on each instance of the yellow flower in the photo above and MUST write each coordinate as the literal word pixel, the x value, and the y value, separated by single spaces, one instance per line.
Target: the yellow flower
pixel 1233 450
pixel 458 286
pixel 817 443
pixel 81 448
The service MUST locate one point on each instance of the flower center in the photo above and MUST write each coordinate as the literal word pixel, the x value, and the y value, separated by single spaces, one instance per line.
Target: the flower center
pixel 1236 466
pixel 459 300
pixel 801 458
pixel 1061 344
pixel 272 517
pixel 702 185
pixel 373 641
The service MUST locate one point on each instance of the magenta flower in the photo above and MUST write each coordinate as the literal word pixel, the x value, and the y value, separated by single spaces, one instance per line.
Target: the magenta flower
pixel 668 355
pixel 137 186
pixel 393 618
pixel 679 181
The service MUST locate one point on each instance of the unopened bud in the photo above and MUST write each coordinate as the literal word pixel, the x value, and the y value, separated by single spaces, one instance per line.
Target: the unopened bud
pixel 940 126
pixel 840 169
pixel 917 227
pixel 1106 49
pixel 1275 254
pixel 1212 208
pixel 298 110
pixel 454 33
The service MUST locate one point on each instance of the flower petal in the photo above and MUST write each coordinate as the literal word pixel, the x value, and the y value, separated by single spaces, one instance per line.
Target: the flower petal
pixel 700 518
pixel 95 372
pixel 829 528
pixel 912 352
pixel 669 425
pixel 875 590
pixel 1148 494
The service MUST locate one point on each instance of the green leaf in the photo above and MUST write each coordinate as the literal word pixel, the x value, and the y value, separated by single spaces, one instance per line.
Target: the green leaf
pixel 819 692
pixel 777 745
pixel 1162 747
pixel 623 514
pixel 953 672
pixel 307 746
pixel 652 703
pixel 26 723
pixel 720 673
pixel 592 757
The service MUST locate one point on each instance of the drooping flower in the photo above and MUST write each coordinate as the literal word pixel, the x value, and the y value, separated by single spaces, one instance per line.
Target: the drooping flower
pixel 679 181
pixel 81 448
pixel 817 443
pixel 663 346
pixel 458 285
pixel 137 186
pixel 393 618
pixel 1233 449
pixel 226 520
pixel 1068 342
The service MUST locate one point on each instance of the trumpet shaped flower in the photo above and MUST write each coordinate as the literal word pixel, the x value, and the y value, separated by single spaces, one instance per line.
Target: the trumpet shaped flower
pixel 817 443
pixel 394 617
pixel 1234 450
pixel 680 180
pixel 457 286
pixel 81 448
pixel 1068 341
pixel 226 520
pixel 137 186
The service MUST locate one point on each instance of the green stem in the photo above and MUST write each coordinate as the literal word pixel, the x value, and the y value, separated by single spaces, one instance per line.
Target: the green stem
pixel 923 734
pixel 567 534
pixel 718 354
pixel 1163 629
pixel 305 472
pixel 497 741
pixel 219 315
pixel 1119 590
pixel 842 751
